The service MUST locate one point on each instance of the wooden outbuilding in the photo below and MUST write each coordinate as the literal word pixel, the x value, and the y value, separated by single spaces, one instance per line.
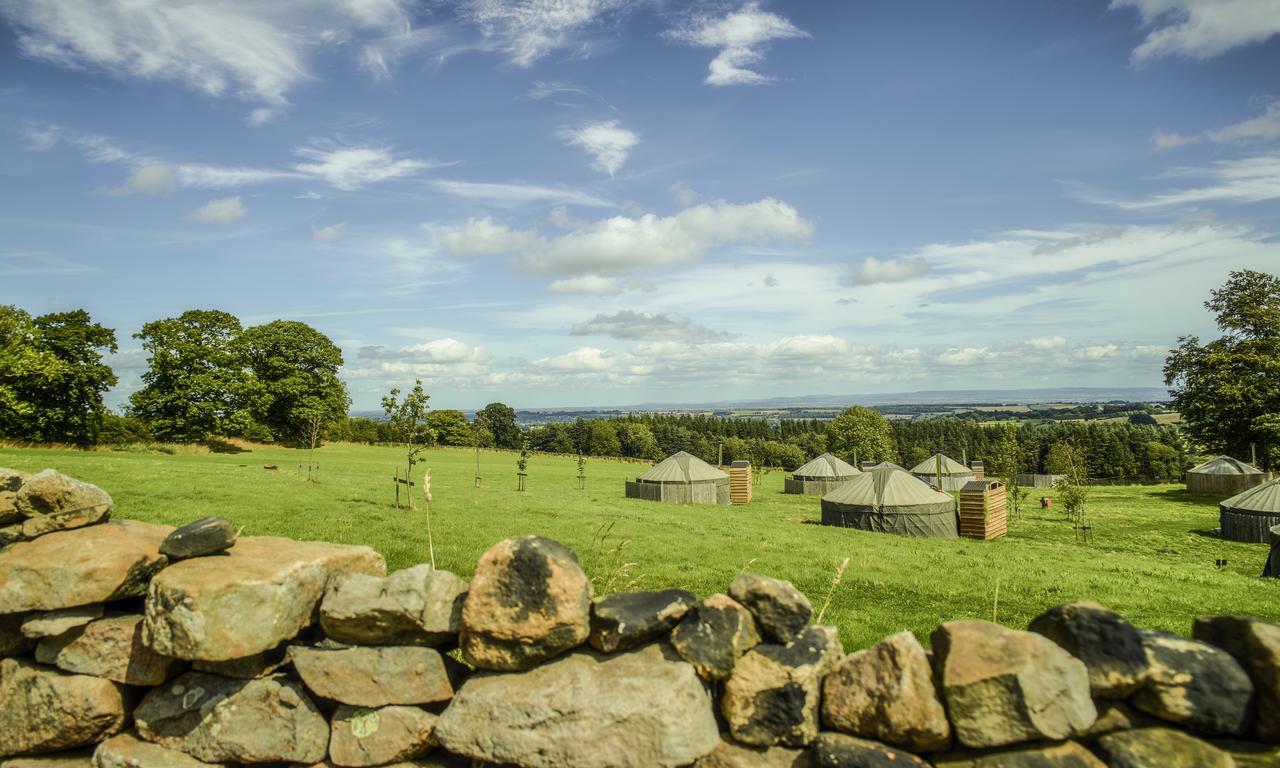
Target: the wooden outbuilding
pixel 983 513
pixel 740 482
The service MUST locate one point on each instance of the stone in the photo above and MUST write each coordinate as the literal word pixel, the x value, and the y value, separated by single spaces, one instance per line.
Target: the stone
pixel 11 534
pixel 217 719
pixel 529 601
pixel 12 641
pixel 10 481
pixel 110 648
pixel 434 760
pixel 714 634
pixel 249 667
pixel 74 758
pixel 206 536
pixel 46 710
pixel 1117 716
pixel 54 623
pixel 730 754
pixel 773 694
pixel 1255 645
pixel 1195 685
pixel 641 709
pixel 415 606
pixel 781 610
pixel 1002 686
pixel 362 737
pixel 1163 747
pixel 630 619
pixel 263 592
pixel 886 693
pixel 839 750
pixel 1110 647
pixel 1067 754
pixel 51 501
pixel 374 677
pixel 80 567
pixel 126 750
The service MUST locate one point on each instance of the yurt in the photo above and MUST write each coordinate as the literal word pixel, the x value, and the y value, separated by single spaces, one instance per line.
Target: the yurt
pixel 820 476
pixel 954 474
pixel 882 465
pixel 1248 516
pixel 681 478
pixel 890 500
pixel 1223 475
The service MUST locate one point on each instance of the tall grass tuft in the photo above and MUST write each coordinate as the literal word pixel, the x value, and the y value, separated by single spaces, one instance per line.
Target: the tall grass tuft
pixel 835 582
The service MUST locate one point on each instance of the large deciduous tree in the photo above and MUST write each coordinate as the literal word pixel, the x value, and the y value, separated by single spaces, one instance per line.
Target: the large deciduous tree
pixel 24 363
pixel 500 421
pixel 451 427
pixel 297 369
pixel 860 431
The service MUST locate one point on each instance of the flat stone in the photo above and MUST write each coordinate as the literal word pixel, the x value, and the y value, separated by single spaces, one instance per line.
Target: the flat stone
pixel 1255 645
pixel 781 610
pixel 839 750
pixel 80 567
pixel 363 737
pixel 641 709
pixel 630 619
pixel 433 760
pixel 249 667
pixel 263 592
pixel 74 758
pixel 1068 754
pixel 1163 747
pixel 53 623
pixel 1195 685
pixel 1117 716
pixel 217 719
pixel 714 634
pixel 529 601
pixel 730 754
pixel 374 677
pixel 110 648
pixel 46 710
pixel 886 693
pixel 415 606
pixel 126 750
pixel 1002 686
pixel 206 536
pixel 51 501
pixel 1110 647
pixel 772 696
pixel 12 641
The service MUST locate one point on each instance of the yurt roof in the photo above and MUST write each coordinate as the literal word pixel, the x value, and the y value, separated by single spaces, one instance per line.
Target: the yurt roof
pixel 886 465
pixel 1260 498
pixel 886 487
pixel 682 467
pixel 827 465
pixel 1225 465
pixel 950 466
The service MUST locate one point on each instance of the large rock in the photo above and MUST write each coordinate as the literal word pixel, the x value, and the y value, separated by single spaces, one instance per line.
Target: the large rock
pixel 1002 686
pixel 217 719
pixel 1255 644
pixel 886 693
pixel 529 601
pixel 630 619
pixel 374 677
pixel 1068 754
pixel 206 536
pixel 781 610
pixel 263 592
pixel 772 697
pixel 110 648
pixel 249 667
pixel 839 750
pixel 1195 685
pixel 73 758
pixel 45 710
pixel 1162 747
pixel 51 501
pixel 1117 716
pixel 80 567
pixel 10 481
pixel 1105 641
pixel 364 737
pixel 126 750
pixel 643 709
pixel 730 754
pixel 415 606
pixel 54 623
pixel 12 641
pixel 714 634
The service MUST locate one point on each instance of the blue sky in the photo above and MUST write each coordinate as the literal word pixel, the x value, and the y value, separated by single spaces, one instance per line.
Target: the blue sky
pixel 600 202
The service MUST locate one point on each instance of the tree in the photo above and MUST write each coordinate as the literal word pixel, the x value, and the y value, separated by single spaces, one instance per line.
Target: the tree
pixel 451 428
pixel 862 431
pixel 638 441
pixel 1072 488
pixel 500 421
pixel 1224 387
pixel 408 420
pixel 297 368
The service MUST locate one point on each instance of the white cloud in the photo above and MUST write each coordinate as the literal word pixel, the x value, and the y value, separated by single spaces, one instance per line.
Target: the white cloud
pixel 517 193
pixel 608 142
pixel 439 352
pixel 595 285
pixel 683 193
pixel 1169 140
pixel 742 37
pixel 629 324
pixel 1263 128
pixel 220 211
pixel 874 271
pixel 261 116
pixel 479 237
pixel 349 168
pixel 526 30
pixel 331 232
pixel 152 179
pixel 581 359
pixel 1252 179
pixel 1201 29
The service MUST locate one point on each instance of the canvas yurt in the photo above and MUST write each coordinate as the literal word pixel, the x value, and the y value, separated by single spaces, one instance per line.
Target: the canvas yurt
pixel 820 476
pixel 1223 475
pixel 882 465
pixel 681 478
pixel 954 474
pixel 1248 516
pixel 890 500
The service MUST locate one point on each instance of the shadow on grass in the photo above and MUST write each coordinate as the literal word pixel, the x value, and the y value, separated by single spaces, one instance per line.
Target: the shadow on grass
pixel 218 445
pixel 1181 496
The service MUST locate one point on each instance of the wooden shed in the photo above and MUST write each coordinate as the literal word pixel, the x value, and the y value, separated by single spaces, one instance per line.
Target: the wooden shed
pixel 979 469
pixel 1249 516
pixel 1224 475
pixel 740 482
pixel 983 514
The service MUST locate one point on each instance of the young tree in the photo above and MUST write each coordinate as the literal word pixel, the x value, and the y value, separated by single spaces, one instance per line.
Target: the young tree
pixel 522 465
pixel 297 368
pixel 860 430
pixel 408 421
pixel 1069 461
pixel 500 421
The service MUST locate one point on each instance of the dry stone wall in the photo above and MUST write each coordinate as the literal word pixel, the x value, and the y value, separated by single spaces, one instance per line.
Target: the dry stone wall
pixel 128 645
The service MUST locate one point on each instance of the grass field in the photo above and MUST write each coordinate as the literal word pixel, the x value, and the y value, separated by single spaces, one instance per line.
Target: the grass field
pixel 1153 557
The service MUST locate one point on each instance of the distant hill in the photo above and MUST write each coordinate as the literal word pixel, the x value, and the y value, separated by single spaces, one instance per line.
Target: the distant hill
pixel 934 397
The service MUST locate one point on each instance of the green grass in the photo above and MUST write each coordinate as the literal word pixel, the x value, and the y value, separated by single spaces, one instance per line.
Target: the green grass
pixel 1153 558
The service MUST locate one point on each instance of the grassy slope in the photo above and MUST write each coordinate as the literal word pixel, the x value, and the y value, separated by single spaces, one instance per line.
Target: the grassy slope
pixel 1152 559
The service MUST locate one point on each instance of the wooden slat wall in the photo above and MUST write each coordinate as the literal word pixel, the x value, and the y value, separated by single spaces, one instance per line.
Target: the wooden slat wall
pixel 983 514
pixel 1226 485
pixel 740 485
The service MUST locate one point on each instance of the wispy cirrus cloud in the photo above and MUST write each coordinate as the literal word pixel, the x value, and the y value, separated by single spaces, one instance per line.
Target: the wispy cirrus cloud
pixel 742 37
pixel 525 31
pixel 1252 179
pixel 1201 29
pixel 1263 128
pixel 518 192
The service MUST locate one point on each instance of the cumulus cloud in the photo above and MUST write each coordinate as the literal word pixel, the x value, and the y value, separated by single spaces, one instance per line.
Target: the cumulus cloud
pixel 527 30
pixel 596 285
pixel 516 192
pixel 742 36
pixel 480 237
pixel 629 324
pixel 220 211
pixel 331 232
pixel 448 351
pixel 1252 179
pixel 151 179
pixel 1201 29
pixel 608 142
pixel 873 270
